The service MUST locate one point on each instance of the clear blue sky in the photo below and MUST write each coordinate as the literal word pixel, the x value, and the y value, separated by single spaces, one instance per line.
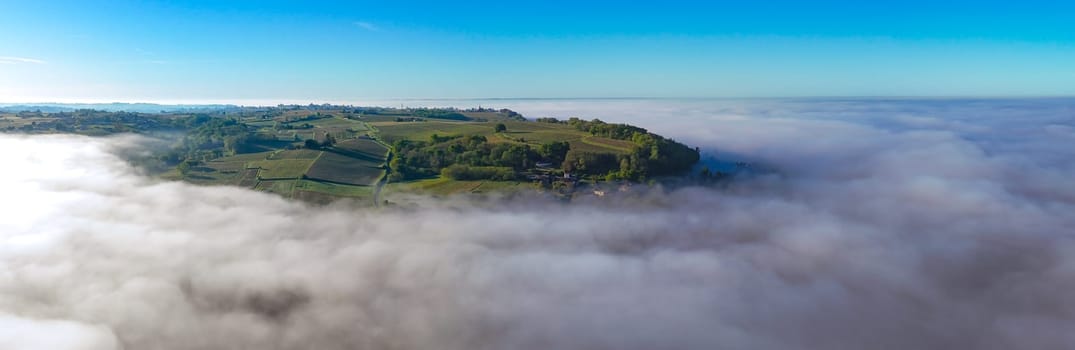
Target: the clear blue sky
pixel 350 51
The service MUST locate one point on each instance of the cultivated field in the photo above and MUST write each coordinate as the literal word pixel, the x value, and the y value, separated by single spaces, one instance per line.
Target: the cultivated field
pixel 337 168
pixel 280 169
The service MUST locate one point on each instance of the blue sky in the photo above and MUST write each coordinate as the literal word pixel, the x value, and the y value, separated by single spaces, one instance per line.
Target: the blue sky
pixel 191 51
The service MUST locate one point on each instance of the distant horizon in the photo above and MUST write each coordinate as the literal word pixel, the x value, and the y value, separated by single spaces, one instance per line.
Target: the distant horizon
pixel 277 102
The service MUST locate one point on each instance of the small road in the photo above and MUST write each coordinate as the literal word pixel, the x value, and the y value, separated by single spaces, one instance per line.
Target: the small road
pixel 383 181
pixel 387 160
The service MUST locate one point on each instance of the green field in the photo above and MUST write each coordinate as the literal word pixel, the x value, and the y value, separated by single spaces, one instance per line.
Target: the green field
pixel 325 192
pixel 530 133
pixel 333 188
pixel 338 168
pixel 347 169
pixel 363 147
pixel 280 169
pixel 445 187
pixel 283 187
pixel 393 131
pixel 296 154
pixel 604 144
pixel 245 157
pixel 337 123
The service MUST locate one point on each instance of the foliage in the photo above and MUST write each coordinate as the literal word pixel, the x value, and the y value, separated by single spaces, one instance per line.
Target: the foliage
pixel 652 154
pixel 550 120
pixel 418 159
pixel 433 113
pixel 555 152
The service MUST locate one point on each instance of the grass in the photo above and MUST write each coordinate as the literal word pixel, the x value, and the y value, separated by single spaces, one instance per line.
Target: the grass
pixel 611 144
pixel 281 187
pixel 281 168
pixel 261 123
pixel 296 154
pixel 442 186
pixel 245 157
pixel 225 167
pixel 392 131
pixel 247 178
pixel 333 188
pixel 438 186
pixel 380 118
pixel 337 123
pixel 532 133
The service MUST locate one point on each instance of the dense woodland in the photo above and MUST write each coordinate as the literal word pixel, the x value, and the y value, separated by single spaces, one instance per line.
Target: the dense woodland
pixel 455 156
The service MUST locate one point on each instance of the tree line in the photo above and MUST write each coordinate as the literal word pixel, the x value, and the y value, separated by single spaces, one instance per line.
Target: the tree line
pixel 469 157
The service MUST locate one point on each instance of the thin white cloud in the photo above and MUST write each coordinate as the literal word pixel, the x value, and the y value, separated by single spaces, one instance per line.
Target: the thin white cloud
pixel 368 26
pixel 15 60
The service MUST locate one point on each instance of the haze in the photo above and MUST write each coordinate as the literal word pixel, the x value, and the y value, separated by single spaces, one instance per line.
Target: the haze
pixel 901 224
pixel 910 186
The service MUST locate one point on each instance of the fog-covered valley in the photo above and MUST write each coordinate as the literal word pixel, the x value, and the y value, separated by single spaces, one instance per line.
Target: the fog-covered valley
pixel 886 224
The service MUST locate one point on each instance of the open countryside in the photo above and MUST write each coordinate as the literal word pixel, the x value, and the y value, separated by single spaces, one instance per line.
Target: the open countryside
pixel 322 153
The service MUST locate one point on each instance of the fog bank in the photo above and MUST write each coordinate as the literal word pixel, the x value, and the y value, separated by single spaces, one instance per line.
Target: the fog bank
pixel 888 225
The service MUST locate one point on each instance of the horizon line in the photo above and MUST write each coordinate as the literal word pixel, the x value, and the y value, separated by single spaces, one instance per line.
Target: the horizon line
pixel 358 102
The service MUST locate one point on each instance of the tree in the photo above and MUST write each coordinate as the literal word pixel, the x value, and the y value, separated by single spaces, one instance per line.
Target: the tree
pixel 555 151
pixel 184 167
pixel 500 127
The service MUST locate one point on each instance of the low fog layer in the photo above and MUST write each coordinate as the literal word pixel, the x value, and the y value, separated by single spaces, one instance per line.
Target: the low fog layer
pixel 889 225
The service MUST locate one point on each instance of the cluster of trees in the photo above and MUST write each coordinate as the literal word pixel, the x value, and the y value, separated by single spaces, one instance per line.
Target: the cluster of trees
pixel 597 127
pixel 550 120
pixel 289 126
pixel 92 122
pixel 329 141
pixel 513 115
pixel 209 138
pixel 651 156
pixel 472 157
pixel 314 116
pixel 439 114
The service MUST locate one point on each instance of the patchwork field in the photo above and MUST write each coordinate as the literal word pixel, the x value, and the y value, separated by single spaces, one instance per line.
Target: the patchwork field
pixel 324 192
pixel 338 168
pixel 288 153
pixel 365 147
pixel 279 169
pixel 283 187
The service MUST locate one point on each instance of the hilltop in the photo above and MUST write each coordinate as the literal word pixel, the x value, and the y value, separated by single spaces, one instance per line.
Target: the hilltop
pixel 320 153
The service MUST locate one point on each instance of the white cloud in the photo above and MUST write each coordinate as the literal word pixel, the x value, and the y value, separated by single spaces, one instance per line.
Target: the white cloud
pixel 882 231
pixel 368 26
pixel 16 60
